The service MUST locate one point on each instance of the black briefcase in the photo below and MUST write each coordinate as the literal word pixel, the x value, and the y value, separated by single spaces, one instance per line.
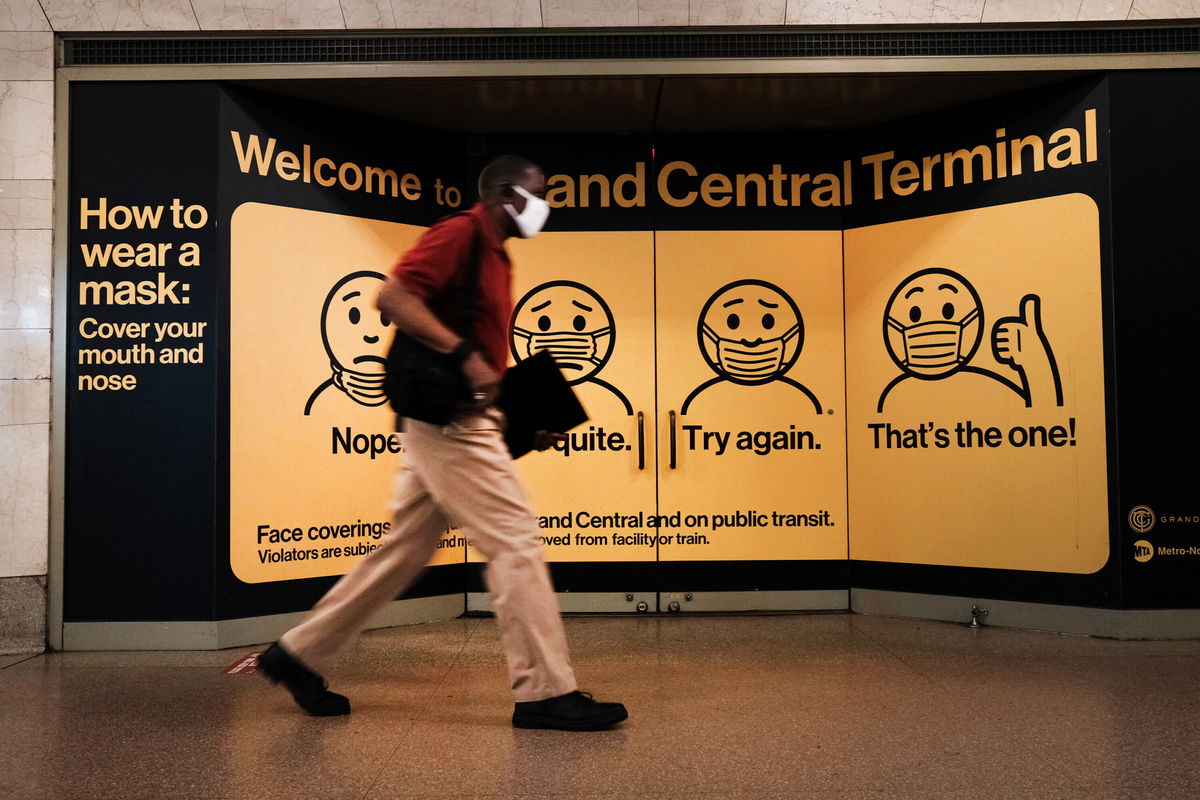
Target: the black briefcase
pixel 535 396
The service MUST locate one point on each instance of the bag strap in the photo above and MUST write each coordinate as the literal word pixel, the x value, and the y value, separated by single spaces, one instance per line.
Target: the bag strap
pixel 470 287
pixel 471 298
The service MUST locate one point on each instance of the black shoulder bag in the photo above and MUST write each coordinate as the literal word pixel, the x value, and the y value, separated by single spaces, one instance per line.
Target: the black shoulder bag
pixel 422 383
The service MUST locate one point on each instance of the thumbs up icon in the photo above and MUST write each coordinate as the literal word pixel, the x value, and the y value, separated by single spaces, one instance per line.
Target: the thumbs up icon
pixel 1014 339
pixel 1021 343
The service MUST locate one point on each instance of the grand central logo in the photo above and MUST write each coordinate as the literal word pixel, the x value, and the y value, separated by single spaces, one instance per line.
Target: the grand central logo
pixel 1141 519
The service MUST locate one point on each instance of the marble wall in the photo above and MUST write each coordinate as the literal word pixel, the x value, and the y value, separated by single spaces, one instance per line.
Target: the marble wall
pixel 226 15
pixel 26 192
pixel 27 51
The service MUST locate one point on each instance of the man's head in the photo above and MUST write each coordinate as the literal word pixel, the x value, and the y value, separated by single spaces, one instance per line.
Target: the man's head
pixel 506 187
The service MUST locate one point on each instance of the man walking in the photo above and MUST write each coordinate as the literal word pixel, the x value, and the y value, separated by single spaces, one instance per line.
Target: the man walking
pixel 461 472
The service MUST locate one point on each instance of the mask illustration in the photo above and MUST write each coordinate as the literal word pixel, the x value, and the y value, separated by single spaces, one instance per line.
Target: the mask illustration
pixel 933 345
pixel 751 362
pixel 365 388
pixel 572 351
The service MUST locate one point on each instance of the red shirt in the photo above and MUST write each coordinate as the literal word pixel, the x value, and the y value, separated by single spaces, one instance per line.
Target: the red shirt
pixel 436 268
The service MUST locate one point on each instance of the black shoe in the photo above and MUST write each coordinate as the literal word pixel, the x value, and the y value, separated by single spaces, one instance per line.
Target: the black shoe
pixel 306 686
pixel 576 711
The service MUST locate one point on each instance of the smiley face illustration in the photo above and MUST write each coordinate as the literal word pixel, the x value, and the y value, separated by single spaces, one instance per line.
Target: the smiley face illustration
pixel 933 323
pixel 351 327
pixel 750 332
pixel 570 321
pixel 356 336
pixel 574 325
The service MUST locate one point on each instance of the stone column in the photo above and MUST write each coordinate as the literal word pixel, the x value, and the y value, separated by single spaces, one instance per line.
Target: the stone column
pixel 26 195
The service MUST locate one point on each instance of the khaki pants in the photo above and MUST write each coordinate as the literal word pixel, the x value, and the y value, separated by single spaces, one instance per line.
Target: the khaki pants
pixel 461 472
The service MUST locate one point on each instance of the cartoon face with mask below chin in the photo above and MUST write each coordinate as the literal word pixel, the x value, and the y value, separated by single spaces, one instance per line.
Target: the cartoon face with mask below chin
pixel 568 320
pixel 751 332
pixel 356 337
pixel 933 323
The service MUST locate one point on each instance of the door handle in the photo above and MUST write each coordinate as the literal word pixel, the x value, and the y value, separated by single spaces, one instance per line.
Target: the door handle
pixel 673 459
pixel 641 440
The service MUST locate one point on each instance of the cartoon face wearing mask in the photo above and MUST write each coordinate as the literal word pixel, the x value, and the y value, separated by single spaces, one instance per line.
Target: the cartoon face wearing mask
pixel 751 332
pixel 356 337
pixel 570 321
pixel 933 323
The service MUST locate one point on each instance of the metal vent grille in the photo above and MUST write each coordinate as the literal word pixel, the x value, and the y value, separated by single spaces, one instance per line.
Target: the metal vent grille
pixel 601 46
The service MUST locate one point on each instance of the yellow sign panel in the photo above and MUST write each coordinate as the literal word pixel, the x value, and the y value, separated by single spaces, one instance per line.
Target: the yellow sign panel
pixel 588 299
pixel 751 367
pixel 970 356
pixel 976 389
pixel 312 449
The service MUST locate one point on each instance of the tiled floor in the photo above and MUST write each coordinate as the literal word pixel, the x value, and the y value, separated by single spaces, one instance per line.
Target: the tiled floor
pixel 809 706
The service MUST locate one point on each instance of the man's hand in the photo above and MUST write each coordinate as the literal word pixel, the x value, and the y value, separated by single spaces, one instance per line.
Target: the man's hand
pixel 544 440
pixel 483 380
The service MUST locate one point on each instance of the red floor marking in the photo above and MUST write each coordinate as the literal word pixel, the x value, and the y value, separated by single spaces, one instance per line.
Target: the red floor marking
pixel 246 665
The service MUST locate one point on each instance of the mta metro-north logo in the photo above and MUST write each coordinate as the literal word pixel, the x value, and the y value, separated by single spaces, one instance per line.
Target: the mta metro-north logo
pixel 1143 551
pixel 1141 519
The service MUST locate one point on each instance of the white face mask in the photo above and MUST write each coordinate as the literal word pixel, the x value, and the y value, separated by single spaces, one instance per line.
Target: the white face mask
pixel 751 362
pixel 933 348
pixel 530 221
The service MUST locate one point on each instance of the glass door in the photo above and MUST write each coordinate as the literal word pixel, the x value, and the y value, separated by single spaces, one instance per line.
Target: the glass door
pixel 751 419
